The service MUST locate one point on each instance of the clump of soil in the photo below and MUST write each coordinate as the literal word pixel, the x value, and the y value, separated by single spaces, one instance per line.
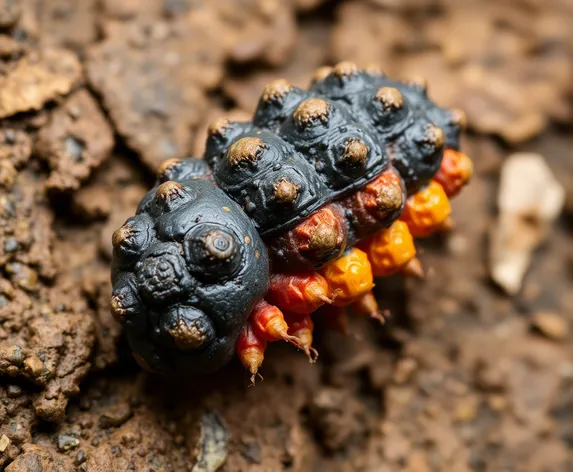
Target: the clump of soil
pixel 94 95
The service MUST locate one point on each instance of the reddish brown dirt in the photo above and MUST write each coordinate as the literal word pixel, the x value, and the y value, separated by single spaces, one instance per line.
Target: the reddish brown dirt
pixel 94 94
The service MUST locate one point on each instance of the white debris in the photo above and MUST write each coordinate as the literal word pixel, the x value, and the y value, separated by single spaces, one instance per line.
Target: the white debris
pixel 529 201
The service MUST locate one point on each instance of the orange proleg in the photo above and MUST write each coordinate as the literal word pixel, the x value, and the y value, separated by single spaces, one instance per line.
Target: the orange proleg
pixel 367 305
pixel 301 327
pixel 392 250
pixel 455 172
pixel 251 350
pixel 427 211
pixel 349 277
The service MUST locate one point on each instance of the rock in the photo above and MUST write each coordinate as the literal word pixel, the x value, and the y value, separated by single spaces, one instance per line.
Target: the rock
pixel 337 417
pixel 18 361
pixel 116 416
pixel 23 276
pixel 404 370
pixel 252 451
pixel 39 459
pixel 211 449
pixel 100 460
pixel 15 147
pixel 70 352
pixel 76 139
pixel 37 79
pixel 152 77
pixel 67 442
pixel 92 202
pixel 68 24
pixel 7 174
pixel 550 325
pixel 529 200
pixel 4 442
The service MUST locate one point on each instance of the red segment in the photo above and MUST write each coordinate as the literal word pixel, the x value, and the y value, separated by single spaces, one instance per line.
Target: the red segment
pixel 298 293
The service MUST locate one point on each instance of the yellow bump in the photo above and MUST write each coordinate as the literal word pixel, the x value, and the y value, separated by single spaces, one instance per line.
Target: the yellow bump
pixel 257 254
pixel 310 110
pixel 168 190
pixel 120 235
pixel 226 209
pixel 390 250
pixel 349 277
pixel 218 127
pixel 117 308
pixel 389 97
pixel 355 151
pixel 276 90
pixel 286 191
pixel 345 69
pixel 435 136
pixel 247 149
pixel 247 239
pixel 427 210
pixel 166 165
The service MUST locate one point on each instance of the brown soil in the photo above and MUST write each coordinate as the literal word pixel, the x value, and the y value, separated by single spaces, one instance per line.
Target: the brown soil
pixel 94 94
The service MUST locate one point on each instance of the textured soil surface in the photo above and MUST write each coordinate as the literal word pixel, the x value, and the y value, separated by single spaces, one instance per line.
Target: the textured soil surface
pixel 94 94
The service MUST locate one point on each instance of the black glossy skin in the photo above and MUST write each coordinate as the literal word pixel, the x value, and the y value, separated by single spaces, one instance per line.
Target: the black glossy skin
pixel 400 137
pixel 166 278
pixel 251 184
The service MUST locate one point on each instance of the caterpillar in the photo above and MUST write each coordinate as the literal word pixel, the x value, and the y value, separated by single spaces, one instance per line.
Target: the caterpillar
pixel 295 211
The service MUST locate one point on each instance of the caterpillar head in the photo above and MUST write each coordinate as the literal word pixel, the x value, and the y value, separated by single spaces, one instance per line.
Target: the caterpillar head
pixel 187 270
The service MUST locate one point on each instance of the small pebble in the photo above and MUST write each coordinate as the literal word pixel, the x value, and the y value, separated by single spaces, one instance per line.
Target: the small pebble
pixel 252 451
pixel 466 410
pixel 66 442
pixel 551 325
pixel 11 245
pixel 4 442
pixel 116 416
pixel 80 457
pixel 13 391
pixel 404 370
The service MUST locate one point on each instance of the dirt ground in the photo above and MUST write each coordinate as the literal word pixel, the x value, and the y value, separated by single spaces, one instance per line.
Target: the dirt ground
pixel 94 94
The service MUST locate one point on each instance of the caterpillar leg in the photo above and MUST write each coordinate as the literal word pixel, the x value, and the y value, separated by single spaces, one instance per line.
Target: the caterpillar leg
pixel 250 349
pixel 269 324
pixel 368 306
pixel 301 293
pixel 455 172
pixel 302 327
pixel 392 250
pixel 428 211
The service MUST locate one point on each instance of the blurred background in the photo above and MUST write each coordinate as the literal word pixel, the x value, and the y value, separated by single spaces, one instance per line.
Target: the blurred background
pixel 473 371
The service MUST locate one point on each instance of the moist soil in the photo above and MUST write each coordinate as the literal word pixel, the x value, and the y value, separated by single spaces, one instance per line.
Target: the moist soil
pixel 94 94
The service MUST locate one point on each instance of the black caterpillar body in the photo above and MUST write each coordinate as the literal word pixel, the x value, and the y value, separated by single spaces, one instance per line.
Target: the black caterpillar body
pixel 191 264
